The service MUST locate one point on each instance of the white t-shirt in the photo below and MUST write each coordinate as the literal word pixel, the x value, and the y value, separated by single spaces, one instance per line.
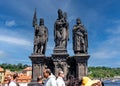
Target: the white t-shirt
pixel 60 81
pixel 50 81
pixel 12 83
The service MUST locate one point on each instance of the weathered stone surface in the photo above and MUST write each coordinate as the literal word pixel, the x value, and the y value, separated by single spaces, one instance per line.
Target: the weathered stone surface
pixel 40 37
pixel 80 38
pixel 61 30
pixel 38 64
pixel 81 65
pixel 76 65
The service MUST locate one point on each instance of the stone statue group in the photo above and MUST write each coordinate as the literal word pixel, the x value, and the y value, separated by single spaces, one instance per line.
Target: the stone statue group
pixel 61 35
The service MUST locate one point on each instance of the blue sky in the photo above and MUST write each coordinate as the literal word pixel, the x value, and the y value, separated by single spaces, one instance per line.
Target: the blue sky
pixel 101 18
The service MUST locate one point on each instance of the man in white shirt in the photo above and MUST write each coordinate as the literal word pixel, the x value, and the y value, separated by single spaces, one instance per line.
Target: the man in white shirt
pixel 60 81
pixel 13 82
pixel 50 78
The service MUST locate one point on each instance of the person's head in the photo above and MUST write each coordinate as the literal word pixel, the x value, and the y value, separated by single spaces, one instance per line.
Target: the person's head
pixel 71 77
pixel 9 77
pixel 47 72
pixel 60 14
pixel 78 21
pixel 98 83
pixel 39 79
pixel 15 76
pixel 41 21
pixel 61 74
pixel 86 81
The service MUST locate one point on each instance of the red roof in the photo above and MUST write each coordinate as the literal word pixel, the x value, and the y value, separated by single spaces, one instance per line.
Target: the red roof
pixel 23 78
pixel 28 69
pixel 1 69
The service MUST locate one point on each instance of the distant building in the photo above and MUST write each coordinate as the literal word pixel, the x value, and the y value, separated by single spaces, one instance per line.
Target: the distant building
pixel 25 76
pixel 1 75
pixel 24 79
pixel 28 71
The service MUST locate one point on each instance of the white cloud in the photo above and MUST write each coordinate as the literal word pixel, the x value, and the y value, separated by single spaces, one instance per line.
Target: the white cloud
pixel 113 42
pixel 2 54
pixel 71 18
pixel 114 30
pixel 116 21
pixel 117 63
pixel 14 40
pixel 110 47
pixel 10 23
pixel 25 61
pixel 105 53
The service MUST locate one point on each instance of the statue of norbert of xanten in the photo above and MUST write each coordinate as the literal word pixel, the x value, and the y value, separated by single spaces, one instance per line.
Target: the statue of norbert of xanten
pixel 61 33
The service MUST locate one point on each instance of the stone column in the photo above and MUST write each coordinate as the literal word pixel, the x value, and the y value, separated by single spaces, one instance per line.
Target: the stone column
pixel 60 62
pixel 37 68
pixel 81 65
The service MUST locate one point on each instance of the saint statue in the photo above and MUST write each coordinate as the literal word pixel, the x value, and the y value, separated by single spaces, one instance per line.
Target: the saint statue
pixel 41 36
pixel 80 38
pixel 61 33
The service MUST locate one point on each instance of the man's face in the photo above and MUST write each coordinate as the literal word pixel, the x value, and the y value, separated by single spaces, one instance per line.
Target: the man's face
pixel 97 84
pixel 9 77
pixel 45 74
pixel 78 22
pixel 62 75
pixel 17 78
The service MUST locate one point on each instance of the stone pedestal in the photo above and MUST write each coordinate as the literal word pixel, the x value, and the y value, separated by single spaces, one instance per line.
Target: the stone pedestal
pixel 81 65
pixel 60 50
pixel 59 58
pixel 71 67
pixel 37 67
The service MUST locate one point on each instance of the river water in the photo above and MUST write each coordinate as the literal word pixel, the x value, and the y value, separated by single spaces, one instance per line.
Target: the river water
pixel 111 84
pixel 117 83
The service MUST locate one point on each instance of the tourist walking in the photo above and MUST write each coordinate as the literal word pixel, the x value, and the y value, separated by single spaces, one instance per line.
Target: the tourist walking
pixel 14 81
pixel 40 81
pixel 9 78
pixel 50 78
pixel 86 81
pixel 60 81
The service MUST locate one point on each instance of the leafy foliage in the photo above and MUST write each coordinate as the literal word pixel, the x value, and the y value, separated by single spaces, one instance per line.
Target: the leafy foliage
pixel 13 67
pixel 103 72
pixel 93 72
